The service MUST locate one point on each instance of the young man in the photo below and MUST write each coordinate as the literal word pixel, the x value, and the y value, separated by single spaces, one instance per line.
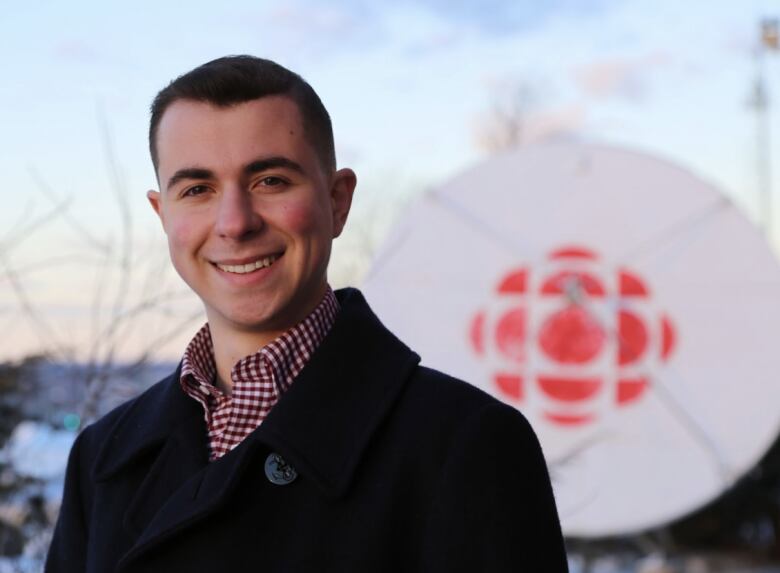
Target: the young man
pixel 297 434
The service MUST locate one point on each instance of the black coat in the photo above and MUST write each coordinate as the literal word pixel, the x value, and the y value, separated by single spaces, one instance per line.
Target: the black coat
pixel 400 469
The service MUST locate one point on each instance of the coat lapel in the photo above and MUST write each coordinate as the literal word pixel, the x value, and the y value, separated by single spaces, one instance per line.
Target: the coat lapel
pixel 162 435
pixel 180 458
pixel 199 496
pixel 324 422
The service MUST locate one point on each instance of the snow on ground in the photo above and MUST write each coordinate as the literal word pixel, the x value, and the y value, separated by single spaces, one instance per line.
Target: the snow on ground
pixel 38 451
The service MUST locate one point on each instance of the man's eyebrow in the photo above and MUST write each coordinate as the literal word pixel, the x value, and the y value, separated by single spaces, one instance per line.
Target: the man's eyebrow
pixel 189 173
pixel 257 166
pixel 260 165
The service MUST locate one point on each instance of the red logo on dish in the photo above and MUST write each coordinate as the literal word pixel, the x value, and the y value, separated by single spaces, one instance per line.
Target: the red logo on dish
pixel 573 338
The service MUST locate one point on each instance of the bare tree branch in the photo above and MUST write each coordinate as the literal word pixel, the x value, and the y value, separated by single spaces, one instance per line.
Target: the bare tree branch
pixel 25 230
pixel 505 125
pixel 81 230
pixel 42 328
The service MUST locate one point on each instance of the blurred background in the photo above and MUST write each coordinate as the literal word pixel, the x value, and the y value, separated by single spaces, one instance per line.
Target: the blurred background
pixel 419 91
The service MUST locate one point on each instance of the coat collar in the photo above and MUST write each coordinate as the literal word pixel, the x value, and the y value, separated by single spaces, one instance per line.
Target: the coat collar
pixel 143 425
pixel 321 425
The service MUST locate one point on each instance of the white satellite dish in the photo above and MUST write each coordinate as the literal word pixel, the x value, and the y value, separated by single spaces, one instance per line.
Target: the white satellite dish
pixel 623 305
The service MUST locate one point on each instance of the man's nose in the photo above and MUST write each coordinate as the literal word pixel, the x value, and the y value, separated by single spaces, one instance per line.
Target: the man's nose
pixel 236 216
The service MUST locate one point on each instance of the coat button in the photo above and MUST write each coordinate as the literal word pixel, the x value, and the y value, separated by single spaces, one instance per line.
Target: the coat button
pixel 278 471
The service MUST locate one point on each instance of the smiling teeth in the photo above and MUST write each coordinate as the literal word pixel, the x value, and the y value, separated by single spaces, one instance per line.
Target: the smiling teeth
pixel 249 267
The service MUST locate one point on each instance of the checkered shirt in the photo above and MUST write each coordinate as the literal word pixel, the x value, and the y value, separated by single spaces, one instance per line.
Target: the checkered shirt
pixel 258 379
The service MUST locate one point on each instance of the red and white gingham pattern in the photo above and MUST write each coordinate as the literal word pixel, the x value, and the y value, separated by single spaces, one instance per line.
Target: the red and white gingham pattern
pixel 258 379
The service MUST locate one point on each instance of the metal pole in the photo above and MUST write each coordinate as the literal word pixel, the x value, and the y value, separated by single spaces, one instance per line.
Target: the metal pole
pixel 769 40
pixel 763 151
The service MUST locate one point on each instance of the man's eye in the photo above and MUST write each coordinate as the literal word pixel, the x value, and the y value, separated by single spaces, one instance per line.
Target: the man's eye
pixel 272 181
pixel 195 190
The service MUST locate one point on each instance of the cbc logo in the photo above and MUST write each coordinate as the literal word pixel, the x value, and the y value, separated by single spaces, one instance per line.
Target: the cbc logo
pixel 574 338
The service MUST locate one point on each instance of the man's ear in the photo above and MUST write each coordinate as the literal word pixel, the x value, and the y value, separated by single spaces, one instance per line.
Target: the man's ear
pixel 155 200
pixel 341 191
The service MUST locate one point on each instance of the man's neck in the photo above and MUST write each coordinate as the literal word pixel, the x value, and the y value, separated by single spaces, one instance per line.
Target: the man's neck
pixel 231 344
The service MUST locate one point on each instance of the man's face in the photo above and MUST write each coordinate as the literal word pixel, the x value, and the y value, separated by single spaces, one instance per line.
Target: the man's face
pixel 249 211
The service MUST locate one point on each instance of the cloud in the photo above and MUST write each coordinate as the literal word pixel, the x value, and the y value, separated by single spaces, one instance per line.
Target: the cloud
pixel 433 44
pixel 312 19
pixel 625 78
pixel 502 17
pixel 315 28
pixel 309 28
pixel 76 51
pixel 489 17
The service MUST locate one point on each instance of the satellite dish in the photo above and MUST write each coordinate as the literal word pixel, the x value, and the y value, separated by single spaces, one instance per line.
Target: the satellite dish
pixel 623 305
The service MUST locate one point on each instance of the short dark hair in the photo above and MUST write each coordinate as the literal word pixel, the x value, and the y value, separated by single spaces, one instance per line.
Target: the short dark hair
pixel 232 80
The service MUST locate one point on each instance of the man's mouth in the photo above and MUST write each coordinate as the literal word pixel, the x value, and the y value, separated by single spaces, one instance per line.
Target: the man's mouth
pixel 249 267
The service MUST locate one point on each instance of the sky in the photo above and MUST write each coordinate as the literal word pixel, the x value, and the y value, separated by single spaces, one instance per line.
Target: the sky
pixel 410 86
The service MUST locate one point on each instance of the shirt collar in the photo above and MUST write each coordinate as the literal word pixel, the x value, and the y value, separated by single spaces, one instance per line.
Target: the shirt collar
pixel 285 356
